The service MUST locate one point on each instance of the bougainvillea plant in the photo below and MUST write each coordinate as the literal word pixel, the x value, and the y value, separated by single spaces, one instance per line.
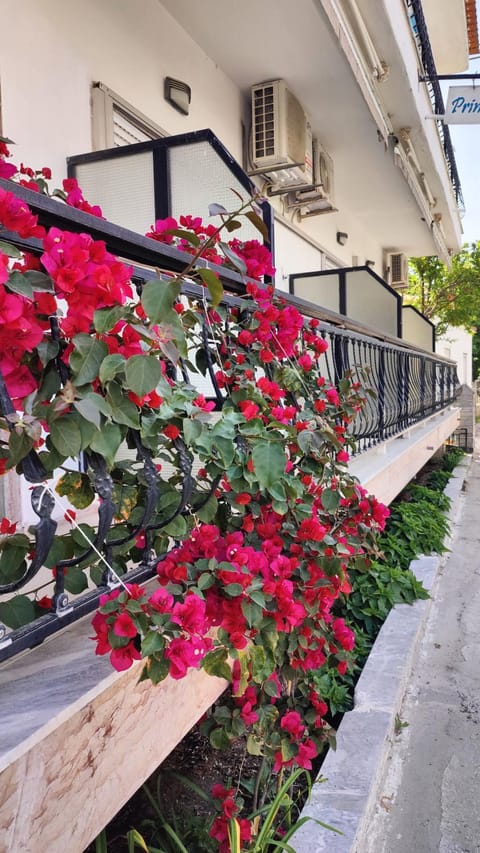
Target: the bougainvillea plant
pixel 249 572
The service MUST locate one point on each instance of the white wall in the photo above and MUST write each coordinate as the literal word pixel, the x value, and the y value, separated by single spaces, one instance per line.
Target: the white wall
pixel 131 47
pixel 47 70
pixel 457 345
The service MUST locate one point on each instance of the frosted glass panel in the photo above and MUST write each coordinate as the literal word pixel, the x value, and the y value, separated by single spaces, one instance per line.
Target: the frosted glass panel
pixel 369 302
pixel 123 187
pixel 322 290
pixel 415 329
pixel 198 178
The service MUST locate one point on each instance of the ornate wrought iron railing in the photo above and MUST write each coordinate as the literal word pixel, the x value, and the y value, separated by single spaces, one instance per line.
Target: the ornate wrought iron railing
pixel 420 33
pixel 409 385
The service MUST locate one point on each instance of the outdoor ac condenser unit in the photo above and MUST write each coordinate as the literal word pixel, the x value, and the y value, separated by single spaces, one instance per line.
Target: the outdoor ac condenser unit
pixel 397 270
pixel 319 198
pixel 282 141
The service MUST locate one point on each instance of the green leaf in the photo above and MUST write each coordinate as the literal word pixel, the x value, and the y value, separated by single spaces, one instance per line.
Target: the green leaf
pixel 86 358
pixel 136 840
pixel 107 441
pixel 156 670
pixel 152 642
pixel 214 285
pixel 10 250
pixel 66 436
pixel 47 350
pixel 75 580
pixel 268 463
pixel 189 236
pixel 158 298
pixel 77 488
pixel 233 589
pixel 17 612
pixel 19 445
pixel 176 528
pixel 143 373
pixel 253 613
pixel 104 319
pixel 219 739
pixel 231 256
pixel 12 561
pixel 192 429
pixel 17 283
pixel 39 280
pixel 215 663
pixel 111 366
pixel 330 499
pixel 88 410
pixel 123 410
pixel 254 745
pixel 208 512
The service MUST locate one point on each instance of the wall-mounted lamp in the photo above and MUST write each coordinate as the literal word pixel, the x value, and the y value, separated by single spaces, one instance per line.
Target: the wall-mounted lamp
pixel 178 94
pixel 342 238
pixel 369 263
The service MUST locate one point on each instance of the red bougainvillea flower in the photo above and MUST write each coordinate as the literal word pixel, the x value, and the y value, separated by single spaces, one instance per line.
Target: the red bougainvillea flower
pixel 123 626
pixel 74 197
pixel 248 409
pixel 311 529
pixel 171 431
pixel 7 527
pixel 16 216
pixel 123 657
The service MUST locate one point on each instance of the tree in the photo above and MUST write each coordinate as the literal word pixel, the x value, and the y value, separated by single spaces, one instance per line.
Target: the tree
pixel 448 297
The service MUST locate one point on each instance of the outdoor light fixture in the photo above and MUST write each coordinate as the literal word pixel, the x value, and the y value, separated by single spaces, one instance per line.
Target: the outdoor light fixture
pixel 342 237
pixel 369 263
pixel 178 94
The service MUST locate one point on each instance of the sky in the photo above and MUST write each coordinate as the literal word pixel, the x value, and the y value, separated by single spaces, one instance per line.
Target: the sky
pixel 466 143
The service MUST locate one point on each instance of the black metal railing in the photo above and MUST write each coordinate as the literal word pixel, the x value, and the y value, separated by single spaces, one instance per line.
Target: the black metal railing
pixel 420 33
pixel 409 385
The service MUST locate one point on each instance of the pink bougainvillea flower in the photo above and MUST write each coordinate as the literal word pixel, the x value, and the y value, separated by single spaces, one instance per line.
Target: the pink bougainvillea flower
pixel 184 654
pixel 291 722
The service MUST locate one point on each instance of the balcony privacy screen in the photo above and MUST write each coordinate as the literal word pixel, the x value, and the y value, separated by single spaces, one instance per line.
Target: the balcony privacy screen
pixel 417 329
pixel 137 184
pixel 355 292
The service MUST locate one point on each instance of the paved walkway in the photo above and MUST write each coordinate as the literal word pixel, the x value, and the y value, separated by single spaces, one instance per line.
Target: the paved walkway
pixel 430 802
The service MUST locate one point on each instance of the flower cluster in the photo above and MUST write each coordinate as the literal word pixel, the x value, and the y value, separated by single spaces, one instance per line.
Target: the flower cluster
pixel 266 519
pixel 187 233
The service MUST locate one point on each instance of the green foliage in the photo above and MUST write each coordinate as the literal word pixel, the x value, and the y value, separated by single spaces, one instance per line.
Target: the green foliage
pixel 449 297
pixel 413 529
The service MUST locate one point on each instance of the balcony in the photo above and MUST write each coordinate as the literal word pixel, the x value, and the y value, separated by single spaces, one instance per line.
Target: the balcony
pixel 79 713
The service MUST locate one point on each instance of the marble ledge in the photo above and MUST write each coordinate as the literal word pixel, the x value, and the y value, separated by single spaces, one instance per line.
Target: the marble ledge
pixel 43 687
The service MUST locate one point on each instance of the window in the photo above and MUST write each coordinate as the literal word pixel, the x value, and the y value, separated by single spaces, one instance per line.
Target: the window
pixel 115 122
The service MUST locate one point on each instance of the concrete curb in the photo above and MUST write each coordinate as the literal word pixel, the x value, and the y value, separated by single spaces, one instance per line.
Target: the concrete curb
pixel 354 772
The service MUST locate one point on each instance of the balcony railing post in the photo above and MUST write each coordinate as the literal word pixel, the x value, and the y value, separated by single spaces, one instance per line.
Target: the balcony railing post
pixel 381 392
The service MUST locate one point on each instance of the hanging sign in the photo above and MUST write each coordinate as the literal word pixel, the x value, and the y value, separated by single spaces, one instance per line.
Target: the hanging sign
pixel 463 105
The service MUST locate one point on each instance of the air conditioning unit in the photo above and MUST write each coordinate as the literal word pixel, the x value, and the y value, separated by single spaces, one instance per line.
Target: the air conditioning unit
pixel 320 198
pixel 397 270
pixel 282 144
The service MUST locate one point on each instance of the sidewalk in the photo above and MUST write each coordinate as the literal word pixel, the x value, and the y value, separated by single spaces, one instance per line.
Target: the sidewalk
pixel 430 799
pixel 405 777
